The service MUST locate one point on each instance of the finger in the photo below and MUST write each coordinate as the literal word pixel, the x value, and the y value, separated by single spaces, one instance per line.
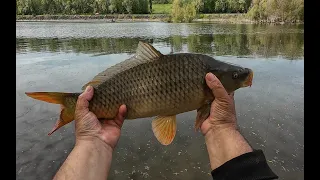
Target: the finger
pixel 84 98
pixel 121 115
pixel 215 85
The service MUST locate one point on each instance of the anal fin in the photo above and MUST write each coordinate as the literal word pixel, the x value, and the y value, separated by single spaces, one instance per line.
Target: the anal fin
pixel 164 129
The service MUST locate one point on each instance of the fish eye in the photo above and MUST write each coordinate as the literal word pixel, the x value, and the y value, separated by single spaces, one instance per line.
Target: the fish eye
pixel 235 75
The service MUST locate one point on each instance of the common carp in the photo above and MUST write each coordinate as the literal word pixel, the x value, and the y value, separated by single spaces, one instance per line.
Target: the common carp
pixel 151 84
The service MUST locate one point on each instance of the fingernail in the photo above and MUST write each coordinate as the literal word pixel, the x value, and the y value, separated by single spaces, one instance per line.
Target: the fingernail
pixel 210 77
pixel 88 89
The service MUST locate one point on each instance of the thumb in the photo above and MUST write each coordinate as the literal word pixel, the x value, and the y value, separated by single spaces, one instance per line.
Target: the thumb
pixel 215 85
pixel 84 98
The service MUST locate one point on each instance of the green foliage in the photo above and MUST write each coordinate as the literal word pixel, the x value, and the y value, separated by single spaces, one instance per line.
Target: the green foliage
pixel 190 12
pixel 184 11
pixel 128 4
pixel 220 6
pixel 223 6
pixel 177 11
pixel 208 6
pixel 198 4
pixel 36 7
pixel 162 1
pixel 277 10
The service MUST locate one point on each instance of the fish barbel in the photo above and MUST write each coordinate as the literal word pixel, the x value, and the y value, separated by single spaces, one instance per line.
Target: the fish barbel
pixel 151 84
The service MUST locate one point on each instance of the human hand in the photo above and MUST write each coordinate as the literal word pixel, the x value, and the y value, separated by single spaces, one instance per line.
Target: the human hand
pixel 222 113
pixel 89 127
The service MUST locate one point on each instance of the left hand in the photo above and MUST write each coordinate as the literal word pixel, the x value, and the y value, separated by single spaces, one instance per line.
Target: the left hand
pixel 222 112
pixel 89 127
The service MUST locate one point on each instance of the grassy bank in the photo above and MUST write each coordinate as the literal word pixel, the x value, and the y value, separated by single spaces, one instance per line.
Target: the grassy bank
pixel 217 18
pixel 223 18
pixel 161 8
pixel 106 17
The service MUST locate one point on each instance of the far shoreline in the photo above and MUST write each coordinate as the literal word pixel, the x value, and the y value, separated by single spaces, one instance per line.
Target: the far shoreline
pixel 111 18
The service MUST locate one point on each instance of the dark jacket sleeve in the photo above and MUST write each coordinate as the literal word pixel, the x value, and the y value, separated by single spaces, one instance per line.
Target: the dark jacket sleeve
pixel 249 166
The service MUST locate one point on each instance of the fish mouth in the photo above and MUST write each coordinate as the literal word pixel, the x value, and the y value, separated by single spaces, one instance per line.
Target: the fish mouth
pixel 248 81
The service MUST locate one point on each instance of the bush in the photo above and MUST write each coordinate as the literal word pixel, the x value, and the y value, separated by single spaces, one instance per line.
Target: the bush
pixel 183 11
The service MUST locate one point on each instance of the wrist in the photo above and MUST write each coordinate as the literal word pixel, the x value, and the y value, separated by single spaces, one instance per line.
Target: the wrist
pixel 224 144
pixel 220 130
pixel 95 142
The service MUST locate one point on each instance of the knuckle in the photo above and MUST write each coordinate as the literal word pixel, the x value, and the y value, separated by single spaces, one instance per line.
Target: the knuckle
pixel 81 96
pixel 79 101
pixel 218 84
pixel 219 89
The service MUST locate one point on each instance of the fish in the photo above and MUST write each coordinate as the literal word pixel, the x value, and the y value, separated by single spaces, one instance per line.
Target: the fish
pixel 153 85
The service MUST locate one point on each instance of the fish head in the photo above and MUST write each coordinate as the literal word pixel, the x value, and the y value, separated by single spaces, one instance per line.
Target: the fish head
pixel 233 77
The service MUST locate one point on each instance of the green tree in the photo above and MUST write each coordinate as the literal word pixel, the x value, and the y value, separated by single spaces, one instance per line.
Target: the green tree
pixel 208 6
pixel 184 11
pixel 190 11
pixel 177 11
pixel 128 5
pixel 277 10
pixel 220 6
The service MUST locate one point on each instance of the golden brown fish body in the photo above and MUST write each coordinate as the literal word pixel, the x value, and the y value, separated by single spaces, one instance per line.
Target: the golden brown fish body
pixel 151 84
pixel 167 86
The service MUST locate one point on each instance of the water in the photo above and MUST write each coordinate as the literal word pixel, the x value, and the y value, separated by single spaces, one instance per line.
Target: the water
pixel 64 56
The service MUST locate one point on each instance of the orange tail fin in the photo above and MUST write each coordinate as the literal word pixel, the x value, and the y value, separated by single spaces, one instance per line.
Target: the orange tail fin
pixel 66 100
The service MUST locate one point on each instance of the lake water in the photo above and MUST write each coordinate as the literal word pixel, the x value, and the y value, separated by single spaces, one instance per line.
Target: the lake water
pixel 53 56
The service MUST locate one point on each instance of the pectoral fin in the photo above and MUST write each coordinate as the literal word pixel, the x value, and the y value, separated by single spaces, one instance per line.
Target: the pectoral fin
pixel 164 129
pixel 202 114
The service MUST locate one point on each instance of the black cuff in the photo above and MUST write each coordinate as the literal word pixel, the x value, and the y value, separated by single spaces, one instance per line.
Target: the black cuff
pixel 249 166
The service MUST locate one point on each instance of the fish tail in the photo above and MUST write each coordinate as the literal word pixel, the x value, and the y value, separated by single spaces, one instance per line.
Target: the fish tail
pixel 67 103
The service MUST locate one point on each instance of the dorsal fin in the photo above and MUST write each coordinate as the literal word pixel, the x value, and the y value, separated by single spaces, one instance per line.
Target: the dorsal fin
pixel 144 53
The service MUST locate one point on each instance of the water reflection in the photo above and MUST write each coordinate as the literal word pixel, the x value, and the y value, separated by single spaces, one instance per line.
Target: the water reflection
pixel 289 45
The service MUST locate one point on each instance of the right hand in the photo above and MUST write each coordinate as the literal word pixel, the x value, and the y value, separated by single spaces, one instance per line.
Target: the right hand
pixel 222 113
pixel 88 127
